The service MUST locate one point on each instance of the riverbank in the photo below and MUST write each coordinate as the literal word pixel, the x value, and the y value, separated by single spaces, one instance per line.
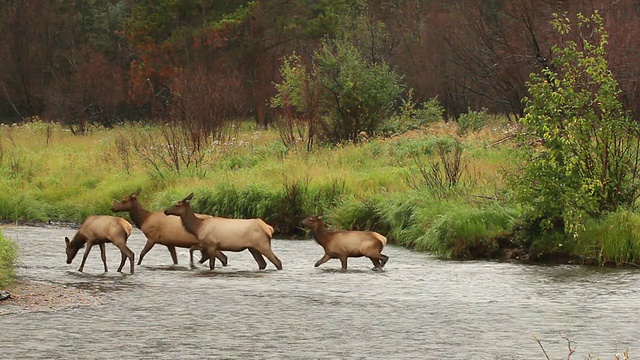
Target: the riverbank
pixel 36 296
pixel 394 185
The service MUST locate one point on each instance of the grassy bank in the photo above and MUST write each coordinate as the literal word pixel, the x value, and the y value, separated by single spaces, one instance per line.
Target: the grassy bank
pixel 8 253
pixel 397 185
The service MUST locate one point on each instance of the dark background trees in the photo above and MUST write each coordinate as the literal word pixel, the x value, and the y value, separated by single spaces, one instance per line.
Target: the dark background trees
pixel 83 62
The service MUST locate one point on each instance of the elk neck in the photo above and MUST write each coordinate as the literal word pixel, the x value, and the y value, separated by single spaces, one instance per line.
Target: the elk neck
pixel 77 242
pixel 190 221
pixel 320 233
pixel 138 214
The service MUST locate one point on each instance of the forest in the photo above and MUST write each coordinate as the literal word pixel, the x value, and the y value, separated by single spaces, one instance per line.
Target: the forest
pixel 103 61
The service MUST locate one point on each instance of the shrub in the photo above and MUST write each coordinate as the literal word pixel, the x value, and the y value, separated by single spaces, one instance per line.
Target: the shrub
pixel 341 96
pixel 472 121
pixel 412 117
pixel 587 160
pixel 441 176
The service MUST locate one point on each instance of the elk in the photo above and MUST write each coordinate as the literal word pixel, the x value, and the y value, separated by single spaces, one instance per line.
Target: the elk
pixel 343 244
pixel 162 229
pixel 215 234
pixel 101 229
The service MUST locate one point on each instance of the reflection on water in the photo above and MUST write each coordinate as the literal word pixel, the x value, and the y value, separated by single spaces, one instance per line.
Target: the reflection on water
pixel 418 308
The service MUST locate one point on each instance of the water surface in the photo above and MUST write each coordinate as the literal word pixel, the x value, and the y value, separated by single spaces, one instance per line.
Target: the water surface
pixel 418 308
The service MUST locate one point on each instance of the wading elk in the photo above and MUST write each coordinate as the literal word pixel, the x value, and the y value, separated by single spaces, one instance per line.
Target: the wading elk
pixel 215 234
pixel 101 229
pixel 161 229
pixel 343 244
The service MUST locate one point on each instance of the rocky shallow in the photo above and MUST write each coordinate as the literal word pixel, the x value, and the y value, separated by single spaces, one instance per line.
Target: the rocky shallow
pixel 30 296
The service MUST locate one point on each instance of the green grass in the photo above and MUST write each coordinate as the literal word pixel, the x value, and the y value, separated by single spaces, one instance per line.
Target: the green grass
pixel 467 232
pixel 613 240
pixel 8 254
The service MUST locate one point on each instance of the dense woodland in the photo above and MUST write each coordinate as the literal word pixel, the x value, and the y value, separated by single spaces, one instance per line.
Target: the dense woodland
pixel 101 61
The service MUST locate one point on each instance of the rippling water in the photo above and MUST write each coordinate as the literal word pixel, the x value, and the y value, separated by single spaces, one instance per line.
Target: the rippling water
pixel 418 308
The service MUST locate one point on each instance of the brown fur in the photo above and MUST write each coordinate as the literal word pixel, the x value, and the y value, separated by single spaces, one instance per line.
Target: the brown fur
pixel 161 229
pixel 343 244
pixel 101 229
pixel 216 234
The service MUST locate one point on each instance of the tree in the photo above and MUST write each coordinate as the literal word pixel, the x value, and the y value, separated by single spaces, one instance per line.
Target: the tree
pixel 587 160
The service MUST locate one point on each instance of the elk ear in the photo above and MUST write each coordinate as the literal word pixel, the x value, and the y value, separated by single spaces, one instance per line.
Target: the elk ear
pixel 188 197
pixel 319 217
pixel 66 240
pixel 137 192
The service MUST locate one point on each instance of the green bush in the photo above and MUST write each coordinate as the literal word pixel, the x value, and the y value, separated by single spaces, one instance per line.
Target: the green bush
pixel 342 95
pixel 412 117
pixel 8 255
pixel 472 121
pixel 585 159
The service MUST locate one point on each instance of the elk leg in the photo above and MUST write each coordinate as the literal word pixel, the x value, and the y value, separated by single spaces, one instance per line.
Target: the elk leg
pixel 376 263
pixel 103 255
pixel 123 258
pixel 84 257
pixel 128 253
pixel 343 261
pixel 191 250
pixel 172 251
pixel 322 260
pixel 266 251
pixel 212 260
pixel 222 257
pixel 258 257
pixel 384 260
pixel 203 257
pixel 145 250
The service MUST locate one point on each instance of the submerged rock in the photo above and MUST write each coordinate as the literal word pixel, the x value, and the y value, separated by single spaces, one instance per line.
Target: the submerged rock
pixel 4 295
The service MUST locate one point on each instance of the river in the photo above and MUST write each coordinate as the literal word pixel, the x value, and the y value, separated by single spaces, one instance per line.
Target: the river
pixel 420 307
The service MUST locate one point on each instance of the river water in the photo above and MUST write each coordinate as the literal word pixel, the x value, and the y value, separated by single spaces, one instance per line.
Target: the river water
pixel 420 307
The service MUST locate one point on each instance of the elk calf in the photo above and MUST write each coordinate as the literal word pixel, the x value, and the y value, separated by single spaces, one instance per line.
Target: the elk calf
pixel 344 244
pixel 101 229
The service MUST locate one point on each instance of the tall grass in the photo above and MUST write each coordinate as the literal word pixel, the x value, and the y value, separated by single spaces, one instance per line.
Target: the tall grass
pixel 613 240
pixel 469 232
pixel 8 255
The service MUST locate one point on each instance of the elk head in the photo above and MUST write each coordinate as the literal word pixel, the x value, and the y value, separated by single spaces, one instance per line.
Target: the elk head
pixel 180 207
pixel 71 250
pixel 126 203
pixel 312 222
